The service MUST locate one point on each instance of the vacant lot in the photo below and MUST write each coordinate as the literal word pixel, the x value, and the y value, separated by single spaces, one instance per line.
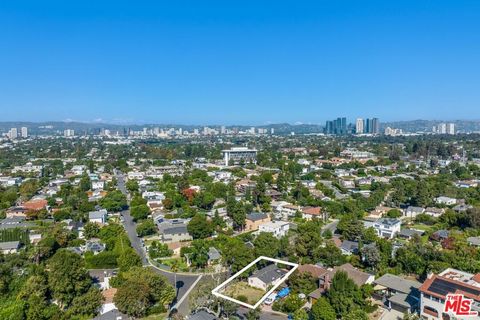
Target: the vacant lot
pixel 243 292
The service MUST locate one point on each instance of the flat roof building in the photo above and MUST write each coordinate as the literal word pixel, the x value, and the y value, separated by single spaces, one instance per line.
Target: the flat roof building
pixel 239 154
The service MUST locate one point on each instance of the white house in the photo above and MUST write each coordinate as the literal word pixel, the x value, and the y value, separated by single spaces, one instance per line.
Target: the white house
pixel 412 212
pixel 284 209
pixel 78 170
pixel 277 228
pixel 387 227
pixel 265 277
pixel 446 201
pixel 99 217
pixel 98 185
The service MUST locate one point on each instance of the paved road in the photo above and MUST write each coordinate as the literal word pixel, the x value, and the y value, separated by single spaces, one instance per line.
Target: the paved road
pixel 332 226
pixel 242 312
pixel 337 192
pixel 184 282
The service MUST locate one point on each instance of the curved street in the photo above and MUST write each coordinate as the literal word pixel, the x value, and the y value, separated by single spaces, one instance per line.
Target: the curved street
pixel 185 282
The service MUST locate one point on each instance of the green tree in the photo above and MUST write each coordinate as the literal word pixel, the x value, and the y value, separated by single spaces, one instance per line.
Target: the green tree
pixel 128 259
pixel 302 283
pixel 146 228
pixel 67 277
pixel 199 227
pixel 86 305
pixel 344 295
pixel 300 314
pixel 356 314
pixel 323 310
pixel 266 244
pixel 141 289
pixel 114 201
pixel 132 186
pixel 139 212
pixel 91 230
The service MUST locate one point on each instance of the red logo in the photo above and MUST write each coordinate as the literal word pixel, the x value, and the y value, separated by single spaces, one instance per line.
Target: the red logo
pixel 459 305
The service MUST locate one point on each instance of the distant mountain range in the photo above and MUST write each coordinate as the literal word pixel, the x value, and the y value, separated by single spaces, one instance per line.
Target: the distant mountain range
pixel 50 127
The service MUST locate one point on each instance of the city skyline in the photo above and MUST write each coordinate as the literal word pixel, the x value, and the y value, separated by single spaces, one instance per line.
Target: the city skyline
pixel 239 64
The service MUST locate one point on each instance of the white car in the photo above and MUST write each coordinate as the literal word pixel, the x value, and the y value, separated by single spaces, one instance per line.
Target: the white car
pixel 270 299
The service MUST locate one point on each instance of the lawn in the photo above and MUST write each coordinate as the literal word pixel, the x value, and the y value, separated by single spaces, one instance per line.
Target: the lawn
pixel 242 289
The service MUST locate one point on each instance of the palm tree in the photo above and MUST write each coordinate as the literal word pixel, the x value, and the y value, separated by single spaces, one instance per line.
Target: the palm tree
pixel 174 267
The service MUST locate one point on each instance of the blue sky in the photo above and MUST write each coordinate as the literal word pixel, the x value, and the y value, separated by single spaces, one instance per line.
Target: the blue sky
pixel 239 62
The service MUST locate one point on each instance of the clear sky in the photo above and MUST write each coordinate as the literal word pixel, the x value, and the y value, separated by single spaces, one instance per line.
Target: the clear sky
pixel 239 62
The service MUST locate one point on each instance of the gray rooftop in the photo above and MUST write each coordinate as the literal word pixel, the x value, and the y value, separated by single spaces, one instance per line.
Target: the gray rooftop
pixel 349 245
pixel 397 283
pixel 213 254
pixel 100 214
pixel 176 230
pixel 475 241
pixel 388 221
pixel 269 273
pixel 410 232
pixel 112 315
pixel 255 216
pixel 9 245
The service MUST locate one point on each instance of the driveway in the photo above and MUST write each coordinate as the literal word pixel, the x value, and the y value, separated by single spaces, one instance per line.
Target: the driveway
pixel 391 315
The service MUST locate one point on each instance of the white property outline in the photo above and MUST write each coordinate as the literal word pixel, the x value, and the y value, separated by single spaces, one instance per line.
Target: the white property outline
pixel 216 292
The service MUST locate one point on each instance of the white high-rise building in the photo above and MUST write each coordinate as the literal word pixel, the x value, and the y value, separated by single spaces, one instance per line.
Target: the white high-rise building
pixel 68 133
pixel 13 134
pixel 442 128
pixel 223 130
pixel 450 128
pixel 24 131
pixel 359 125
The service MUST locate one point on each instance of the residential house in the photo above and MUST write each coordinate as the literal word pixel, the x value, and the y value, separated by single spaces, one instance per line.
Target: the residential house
pixel 410 233
pixel 35 205
pixel 398 293
pixel 359 277
pixel 98 217
pixel 440 235
pixel 266 277
pixel 349 247
pixel 277 228
pixel 474 241
pixel 462 208
pixel 309 213
pixel 434 212
pixel 98 185
pixel 435 289
pixel 176 233
pixel 254 220
pixel 283 209
pixel 95 246
pixel 16 212
pixel 9 247
pixel 446 201
pixel 379 212
pixel 412 212
pixel 385 227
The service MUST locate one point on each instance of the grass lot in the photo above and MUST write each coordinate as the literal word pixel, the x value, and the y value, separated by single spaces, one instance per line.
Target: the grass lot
pixel 243 289
pixel 182 266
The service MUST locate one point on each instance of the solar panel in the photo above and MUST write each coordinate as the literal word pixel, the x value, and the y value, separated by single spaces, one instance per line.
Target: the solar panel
pixel 442 287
